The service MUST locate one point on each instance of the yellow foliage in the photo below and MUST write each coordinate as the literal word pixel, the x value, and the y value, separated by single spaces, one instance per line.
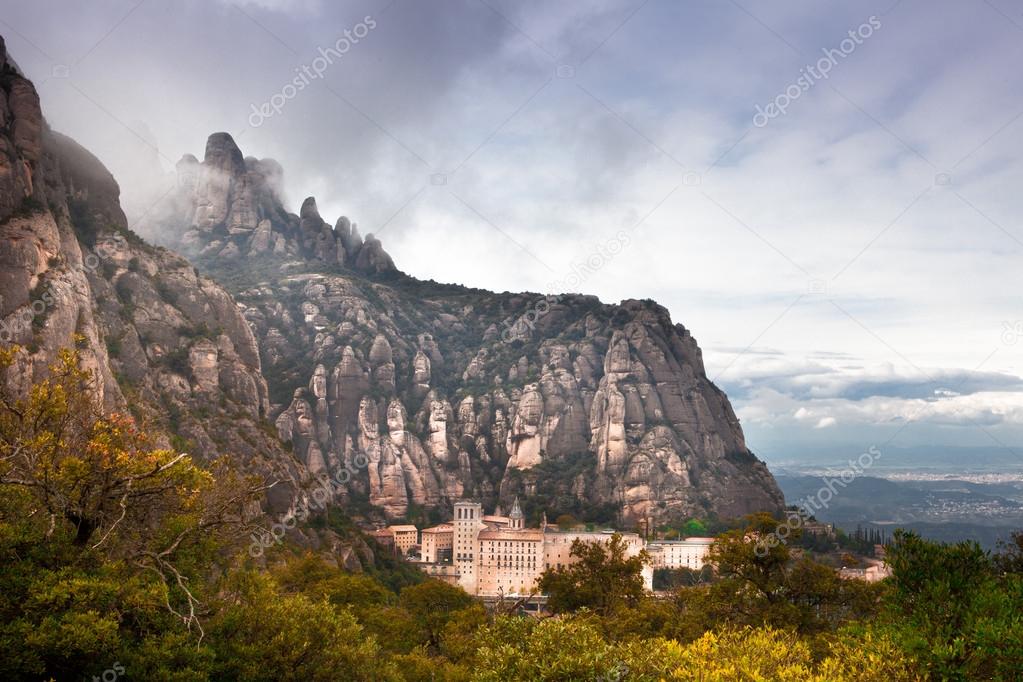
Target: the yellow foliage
pixel 770 655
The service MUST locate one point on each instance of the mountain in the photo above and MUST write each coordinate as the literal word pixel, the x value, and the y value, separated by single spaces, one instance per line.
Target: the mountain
pixel 453 392
pixel 164 342
pixel 282 324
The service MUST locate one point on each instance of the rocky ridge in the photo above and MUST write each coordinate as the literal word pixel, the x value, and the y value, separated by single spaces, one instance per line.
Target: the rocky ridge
pixel 165 343
pixel 231 208
pixel 283 325
pixel 429 393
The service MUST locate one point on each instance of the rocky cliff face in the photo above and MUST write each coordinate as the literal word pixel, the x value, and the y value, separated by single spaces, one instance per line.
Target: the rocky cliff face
pixel 415 393
pixel 165 343
pixel 427 393
pixel 229 207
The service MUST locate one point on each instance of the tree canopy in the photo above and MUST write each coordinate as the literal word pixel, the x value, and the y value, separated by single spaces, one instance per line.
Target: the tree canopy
pixel 603 578
pixel 120 557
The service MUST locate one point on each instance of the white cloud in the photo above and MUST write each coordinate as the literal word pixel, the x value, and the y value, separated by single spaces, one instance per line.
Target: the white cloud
pixel 872 301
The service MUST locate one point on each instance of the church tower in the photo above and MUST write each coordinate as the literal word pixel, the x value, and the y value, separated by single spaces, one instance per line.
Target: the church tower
pixel 516 519
pixel 468 523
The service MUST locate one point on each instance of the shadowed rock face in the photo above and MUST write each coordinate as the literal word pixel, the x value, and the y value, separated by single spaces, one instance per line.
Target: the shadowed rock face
pixel 425 392
pixel 164 342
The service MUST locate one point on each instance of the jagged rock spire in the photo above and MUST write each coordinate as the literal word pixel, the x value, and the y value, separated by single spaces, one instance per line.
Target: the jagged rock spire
pixel 230 205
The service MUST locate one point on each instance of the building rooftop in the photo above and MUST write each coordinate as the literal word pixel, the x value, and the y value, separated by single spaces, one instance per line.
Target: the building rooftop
pixel 529 534
pixel 496 518
pixel 402 529
pixel 592 533
pixel 686 541
pixel 442 528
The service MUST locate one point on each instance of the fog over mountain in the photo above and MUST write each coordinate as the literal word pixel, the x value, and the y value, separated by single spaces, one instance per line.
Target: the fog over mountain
pixel 850 265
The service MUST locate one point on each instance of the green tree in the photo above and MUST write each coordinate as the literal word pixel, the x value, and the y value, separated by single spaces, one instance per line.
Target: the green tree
pixel 1009 558
pixel 105 541
pixel 432 605
pixel 565 648
pixel 673 578
pixel 566 522
pixel 602 578
pixel 953 611
pixel 262 634
pixel 762 583
pixel 694 527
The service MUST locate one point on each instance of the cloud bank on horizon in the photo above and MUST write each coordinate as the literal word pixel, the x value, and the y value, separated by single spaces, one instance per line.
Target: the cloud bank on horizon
pixel 827 194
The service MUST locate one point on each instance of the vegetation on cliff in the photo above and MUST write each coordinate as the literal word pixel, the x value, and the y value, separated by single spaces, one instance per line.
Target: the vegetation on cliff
pixel 120 559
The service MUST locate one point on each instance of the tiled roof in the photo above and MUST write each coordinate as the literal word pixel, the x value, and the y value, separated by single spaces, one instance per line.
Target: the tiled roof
pixel 494 518
pixel 531 535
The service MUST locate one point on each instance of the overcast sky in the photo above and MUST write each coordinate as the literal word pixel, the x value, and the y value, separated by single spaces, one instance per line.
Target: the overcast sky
pixel 850 266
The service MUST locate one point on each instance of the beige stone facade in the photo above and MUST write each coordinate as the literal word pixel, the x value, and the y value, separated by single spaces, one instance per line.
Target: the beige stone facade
pixel 405 537
pixel 688 553
pixel 495 555
pixel 438 543
pixel 875 571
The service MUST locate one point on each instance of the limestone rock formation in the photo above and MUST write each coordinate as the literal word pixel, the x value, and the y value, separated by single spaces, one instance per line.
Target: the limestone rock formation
pixel 229 207
pixel 164 342
pixel 416 381
pixel 615 394
pixel 411 389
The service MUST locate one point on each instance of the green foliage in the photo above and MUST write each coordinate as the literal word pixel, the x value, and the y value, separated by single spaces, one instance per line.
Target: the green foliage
pixel 566 522
pixel 1010 558
pixel 264 635
pixel 113 553
pixel 104 541
pixel 390 571
pixel 432 604
pixel 113 346
pixel 573 648
pixel 548 493
pixel 602 578
pixel 674 578
pixel 178 361
pixel 553 649
pixel 764 584
pixel 953 611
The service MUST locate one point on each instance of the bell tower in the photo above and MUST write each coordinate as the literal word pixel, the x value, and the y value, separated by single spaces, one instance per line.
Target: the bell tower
pixel 516 518
pixel 468 522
